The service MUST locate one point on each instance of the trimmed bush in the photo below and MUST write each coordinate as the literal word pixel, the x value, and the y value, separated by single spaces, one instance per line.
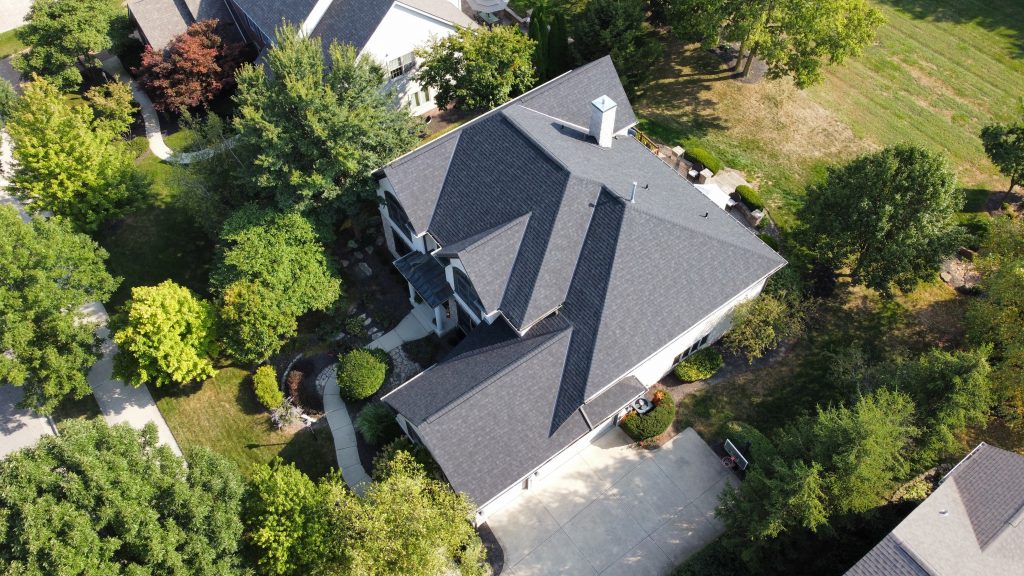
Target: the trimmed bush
pixel 709 160
pixel 769 240
pixel 761 448
pixel 700 366
pixel 649 425
pixel 376 422
pixel 264 383
pixel 360 374
pixel 752 198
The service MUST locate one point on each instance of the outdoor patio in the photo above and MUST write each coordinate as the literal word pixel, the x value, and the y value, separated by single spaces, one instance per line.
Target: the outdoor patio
pixel 616 509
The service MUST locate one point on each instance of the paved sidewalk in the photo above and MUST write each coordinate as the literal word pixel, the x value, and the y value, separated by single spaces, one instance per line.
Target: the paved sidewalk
pixel 409 329
pixel 342 430
pixel 19 427
pixel 118 401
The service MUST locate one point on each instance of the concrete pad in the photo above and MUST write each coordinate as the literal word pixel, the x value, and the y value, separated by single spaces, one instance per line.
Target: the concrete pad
pixel 343 437
pixel 613 455
pixel 604 531
pixel 645 559
pixel 685 534
pixel 708 501
pixel 522 527
pixel 555 556
pixel 690 463
pixel 19 428
pixel 569 490
pixel 348 458
pixel 653 498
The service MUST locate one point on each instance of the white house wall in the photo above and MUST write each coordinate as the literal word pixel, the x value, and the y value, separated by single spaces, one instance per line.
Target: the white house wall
pixel 662 361
pixel 390 228
pixel 400 32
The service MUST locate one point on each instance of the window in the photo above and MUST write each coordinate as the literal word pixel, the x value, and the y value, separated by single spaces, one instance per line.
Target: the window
pixel 398 215
pixel 464 288
pixel 402 65
pixel 694 347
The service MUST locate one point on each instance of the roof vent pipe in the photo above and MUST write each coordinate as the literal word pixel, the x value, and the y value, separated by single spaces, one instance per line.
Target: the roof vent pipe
pixel 632 195
pixel 602 121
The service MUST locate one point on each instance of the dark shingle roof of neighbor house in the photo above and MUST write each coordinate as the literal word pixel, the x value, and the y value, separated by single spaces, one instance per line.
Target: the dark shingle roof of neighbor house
pixel 161 20
pixel 973 523
pixel 346 21
pixel 623 278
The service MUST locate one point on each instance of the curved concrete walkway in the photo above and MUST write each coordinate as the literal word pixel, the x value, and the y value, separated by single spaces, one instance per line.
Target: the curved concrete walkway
pixel 342 430
pixel 112 65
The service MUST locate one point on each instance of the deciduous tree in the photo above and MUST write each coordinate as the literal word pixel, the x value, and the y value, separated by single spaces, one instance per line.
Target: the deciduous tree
pixel 478 68
pixel 61 33
pixel 112 500
pixel 311 134
pixel 1004 145
pixel 113 106
pixel 68 161
pixel 620 29
pixel 760 325
pixel 165 335
pixel 47 273
pixel 195 67
pixel 271 270
pixel 888 216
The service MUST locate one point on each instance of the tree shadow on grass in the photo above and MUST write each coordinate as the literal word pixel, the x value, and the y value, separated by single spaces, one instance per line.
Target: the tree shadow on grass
pixel 1005 17
pixel 678 94
pixel 311 449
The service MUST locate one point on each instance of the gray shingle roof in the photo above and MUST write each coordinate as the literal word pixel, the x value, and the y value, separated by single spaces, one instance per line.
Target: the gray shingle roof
pixel 161 20
pixel 625 278
pixel 351 21
pixel 612 400
pixel 427 277
pixel 268 14
pixel 209 9
pixel 441 9
pixel 971 524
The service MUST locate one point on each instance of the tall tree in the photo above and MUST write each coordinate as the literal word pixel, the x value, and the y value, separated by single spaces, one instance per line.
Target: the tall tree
pixel 192 71
pixel 113 106
pixel 478 68
pixel 47 273
pixel 62 33
pixel 620 29
pixel 112 500
pixel 551 56
pixel 997 316
pixel 760 325
pixel 311 134
pixel 889 216
pixel 952 393
pixel 165 336
pixel 68 161
pixel 1004 145
pixel 795 38
pixel 270 271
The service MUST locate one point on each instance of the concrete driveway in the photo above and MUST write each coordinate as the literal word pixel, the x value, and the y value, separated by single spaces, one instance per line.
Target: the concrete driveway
pixel 19 428
pixel 616 509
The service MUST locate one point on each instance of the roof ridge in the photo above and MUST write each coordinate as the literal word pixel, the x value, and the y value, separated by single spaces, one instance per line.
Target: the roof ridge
pixel 552 338
pixel 476 240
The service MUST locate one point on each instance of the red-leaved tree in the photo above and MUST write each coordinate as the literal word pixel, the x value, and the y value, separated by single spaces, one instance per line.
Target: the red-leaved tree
pixel 192 71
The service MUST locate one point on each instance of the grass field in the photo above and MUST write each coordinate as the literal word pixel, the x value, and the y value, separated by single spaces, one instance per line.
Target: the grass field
pixel 9 43
pixel 223 415
pixel 939 70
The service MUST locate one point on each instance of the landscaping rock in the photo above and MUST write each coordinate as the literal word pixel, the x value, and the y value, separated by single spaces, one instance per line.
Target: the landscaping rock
pixel 366 321
pixel 369 250
pixel 344 263
pixel 365 269
pixel 380 241
pixel 402 369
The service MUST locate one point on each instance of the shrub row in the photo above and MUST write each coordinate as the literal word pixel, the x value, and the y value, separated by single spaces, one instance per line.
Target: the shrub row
pixel 649 425
pixel 709 160
pixel 700 366
pixel 750 197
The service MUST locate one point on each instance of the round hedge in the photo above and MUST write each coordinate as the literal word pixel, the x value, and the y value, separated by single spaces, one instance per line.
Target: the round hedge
pixel 360 374
pixel 750 197
pixel 709 160
pixel 649 425
pixel 700 366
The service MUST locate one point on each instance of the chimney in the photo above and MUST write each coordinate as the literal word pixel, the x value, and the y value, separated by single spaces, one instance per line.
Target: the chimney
pixel 602 121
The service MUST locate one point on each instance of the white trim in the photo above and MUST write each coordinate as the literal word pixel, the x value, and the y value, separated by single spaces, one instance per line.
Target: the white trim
pixel 314 17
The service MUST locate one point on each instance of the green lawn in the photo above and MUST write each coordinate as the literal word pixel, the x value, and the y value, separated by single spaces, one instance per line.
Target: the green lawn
pixel 223 415
pixel 939 70
pixel 160 240
pixel 9 43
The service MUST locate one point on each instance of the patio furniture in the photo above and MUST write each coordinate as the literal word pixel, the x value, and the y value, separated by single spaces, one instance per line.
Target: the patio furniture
pixel 692 173
pixel 489 17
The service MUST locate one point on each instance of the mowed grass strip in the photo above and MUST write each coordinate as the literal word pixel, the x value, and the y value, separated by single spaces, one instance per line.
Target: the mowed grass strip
pixel 938 71
pixel 222 414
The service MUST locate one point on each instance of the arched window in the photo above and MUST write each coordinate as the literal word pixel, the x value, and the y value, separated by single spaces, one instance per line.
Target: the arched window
pixel 398 215
pixel 464 288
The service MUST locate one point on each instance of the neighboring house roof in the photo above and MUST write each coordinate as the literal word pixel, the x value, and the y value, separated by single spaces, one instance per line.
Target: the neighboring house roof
pixel 345 21
pixel 549 213
pixel 973 523
pixel 161 20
